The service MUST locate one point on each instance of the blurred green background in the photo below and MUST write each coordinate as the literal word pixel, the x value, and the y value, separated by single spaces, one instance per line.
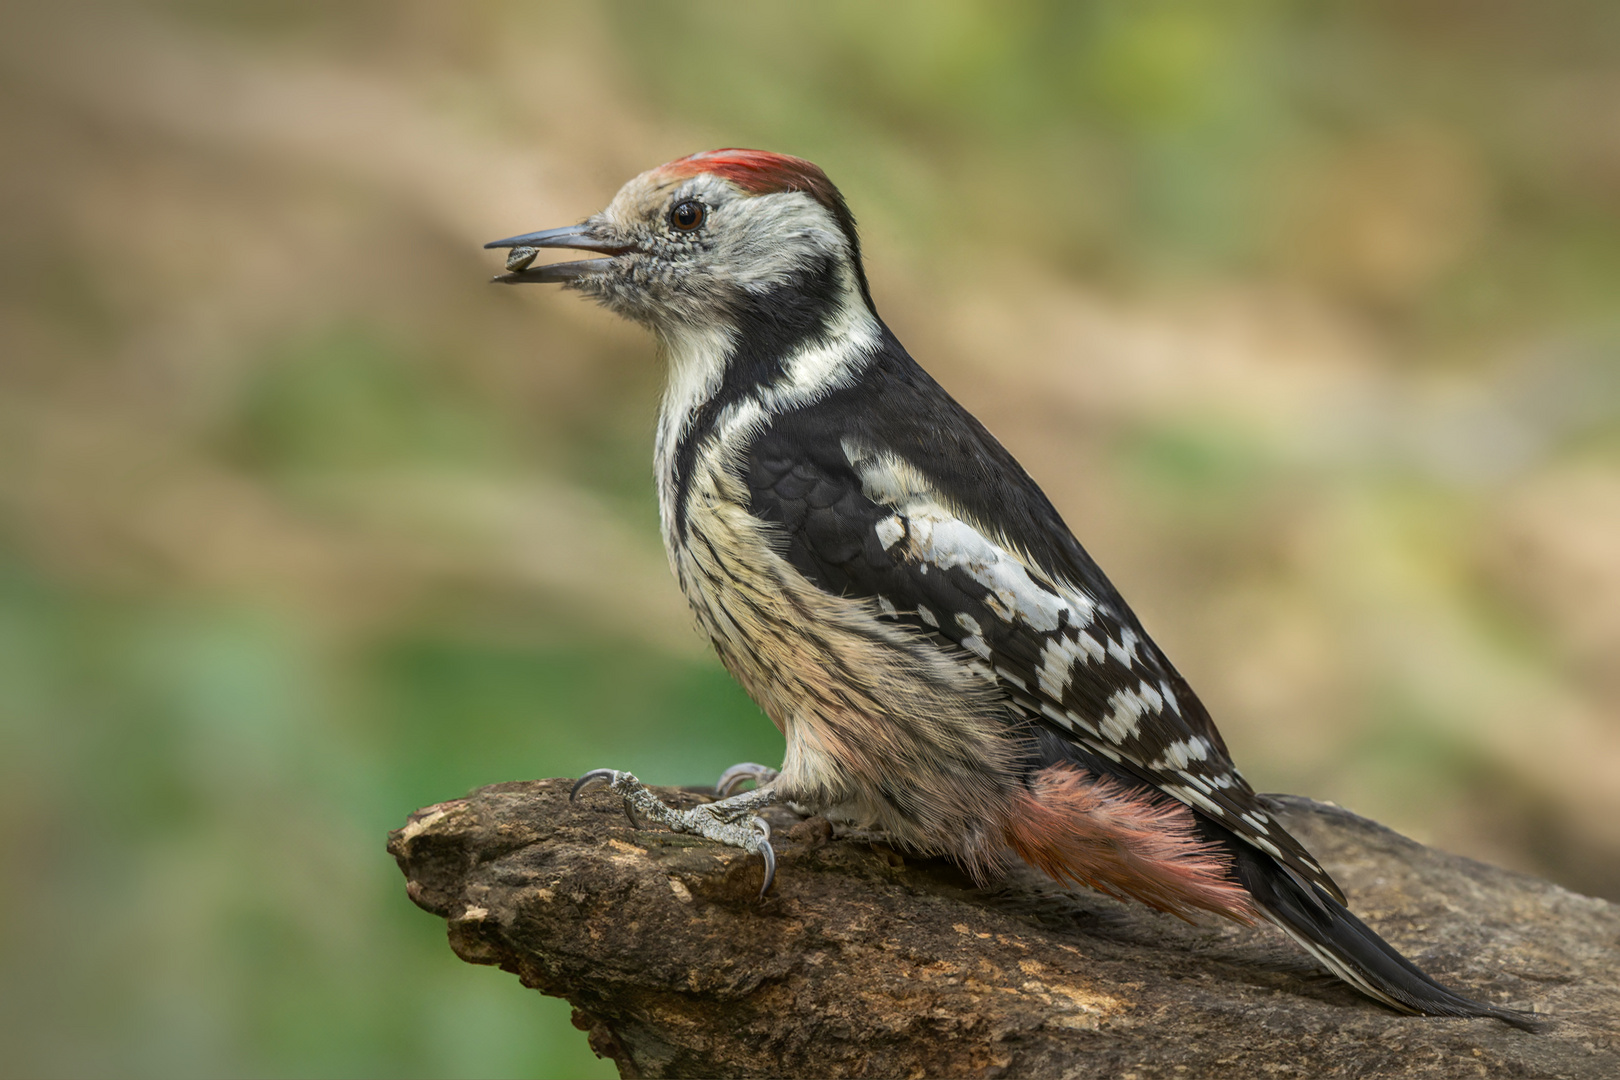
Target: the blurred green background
pixel 1304 313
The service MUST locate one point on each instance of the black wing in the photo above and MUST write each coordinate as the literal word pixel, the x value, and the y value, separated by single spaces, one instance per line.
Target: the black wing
pixel 876 498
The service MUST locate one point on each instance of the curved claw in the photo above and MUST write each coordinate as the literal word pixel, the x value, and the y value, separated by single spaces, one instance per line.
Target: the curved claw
pixel 608 775
pixel 769 855
pixel 742 772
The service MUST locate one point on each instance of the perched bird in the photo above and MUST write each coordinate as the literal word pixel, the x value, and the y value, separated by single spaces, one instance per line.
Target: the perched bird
pixel 944 659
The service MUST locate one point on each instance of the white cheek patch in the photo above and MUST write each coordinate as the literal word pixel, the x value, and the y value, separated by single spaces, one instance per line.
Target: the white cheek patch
pixel 765 240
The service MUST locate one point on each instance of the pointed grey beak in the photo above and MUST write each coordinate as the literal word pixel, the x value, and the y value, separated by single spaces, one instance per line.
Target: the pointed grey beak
pixel 577 237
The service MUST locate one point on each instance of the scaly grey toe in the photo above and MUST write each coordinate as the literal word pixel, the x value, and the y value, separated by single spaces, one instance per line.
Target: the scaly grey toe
pixel 732 821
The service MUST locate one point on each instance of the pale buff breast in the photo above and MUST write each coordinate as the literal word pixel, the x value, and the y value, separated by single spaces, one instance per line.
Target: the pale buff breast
pixel 884 726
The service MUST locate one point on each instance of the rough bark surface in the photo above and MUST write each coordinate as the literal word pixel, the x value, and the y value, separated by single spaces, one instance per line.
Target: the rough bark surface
pixel 863 962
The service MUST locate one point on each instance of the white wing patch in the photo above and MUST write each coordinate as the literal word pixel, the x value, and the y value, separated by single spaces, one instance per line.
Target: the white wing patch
pixel 1178 754
pixel 974 642
pixel 1060 613
pixel 1125 720
pixel 1057 667
pixel 1078 650
pixel 948 543
pixel 890 530
pixel 1123 650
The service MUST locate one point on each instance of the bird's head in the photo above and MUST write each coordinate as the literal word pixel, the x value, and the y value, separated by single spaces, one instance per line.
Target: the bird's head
pixel 716 238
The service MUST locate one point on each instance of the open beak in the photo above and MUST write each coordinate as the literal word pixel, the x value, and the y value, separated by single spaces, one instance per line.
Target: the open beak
pixel 577 237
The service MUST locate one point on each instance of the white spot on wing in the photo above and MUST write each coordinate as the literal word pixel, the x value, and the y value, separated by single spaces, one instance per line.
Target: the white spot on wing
pixel 1012 678
pixel 1169 695
pixel 949 542
pixel 1057 662
pixel 939 538
pixel 983 671
pixel 1090 646
pixel 1124 720
pixel 890 530
pixel 1080 721
pixel 1061 717
pixel 1265 845
pixel 1123 650
pixel 1178 754
pixel 1203 802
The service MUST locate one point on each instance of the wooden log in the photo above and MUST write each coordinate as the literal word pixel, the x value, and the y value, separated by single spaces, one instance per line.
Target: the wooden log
pixel 867 962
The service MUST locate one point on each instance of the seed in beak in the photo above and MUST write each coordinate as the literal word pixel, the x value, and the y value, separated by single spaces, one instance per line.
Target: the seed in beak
pixel 519 258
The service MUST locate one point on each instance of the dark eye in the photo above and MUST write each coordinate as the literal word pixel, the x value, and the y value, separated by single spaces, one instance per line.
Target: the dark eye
pixel 687 216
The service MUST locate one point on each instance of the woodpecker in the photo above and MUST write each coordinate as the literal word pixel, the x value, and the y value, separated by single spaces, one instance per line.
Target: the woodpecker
pixel 945 661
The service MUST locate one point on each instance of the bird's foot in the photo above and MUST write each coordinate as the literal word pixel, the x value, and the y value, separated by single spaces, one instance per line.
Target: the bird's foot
pixel 742 773
pixel 732 821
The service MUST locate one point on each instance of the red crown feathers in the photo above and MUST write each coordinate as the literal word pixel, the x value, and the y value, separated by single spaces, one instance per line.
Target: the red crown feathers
pixel 760 172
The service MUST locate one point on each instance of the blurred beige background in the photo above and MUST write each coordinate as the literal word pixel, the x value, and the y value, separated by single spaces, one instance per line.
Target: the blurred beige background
pixel 1305 315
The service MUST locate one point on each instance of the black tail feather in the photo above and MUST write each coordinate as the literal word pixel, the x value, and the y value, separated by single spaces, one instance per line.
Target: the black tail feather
pixel 1349 948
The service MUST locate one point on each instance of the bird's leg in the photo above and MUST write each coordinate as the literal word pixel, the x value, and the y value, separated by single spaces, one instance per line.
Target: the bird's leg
pixel 730 821
pixel 762 776
pixel 741 773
